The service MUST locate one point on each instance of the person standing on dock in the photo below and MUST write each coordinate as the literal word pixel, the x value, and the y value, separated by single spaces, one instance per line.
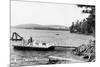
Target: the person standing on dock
pixel 30 40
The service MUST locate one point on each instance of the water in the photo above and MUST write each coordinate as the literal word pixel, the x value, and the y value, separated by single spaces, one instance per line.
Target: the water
pixel 65 38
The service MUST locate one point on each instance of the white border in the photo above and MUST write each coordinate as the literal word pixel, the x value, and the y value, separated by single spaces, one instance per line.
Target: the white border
pixel 88 2
pixel 5 32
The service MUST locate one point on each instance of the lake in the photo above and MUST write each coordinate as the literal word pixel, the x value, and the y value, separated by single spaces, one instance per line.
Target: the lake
pixel 65 38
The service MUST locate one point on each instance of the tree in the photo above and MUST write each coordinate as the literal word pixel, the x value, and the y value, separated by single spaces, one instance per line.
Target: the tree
pixel 90 9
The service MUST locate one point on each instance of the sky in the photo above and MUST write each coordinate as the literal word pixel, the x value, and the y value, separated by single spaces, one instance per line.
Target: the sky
pixel 45 13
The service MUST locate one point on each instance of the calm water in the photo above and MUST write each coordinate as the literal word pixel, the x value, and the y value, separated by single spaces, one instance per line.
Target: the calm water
pixel 65 38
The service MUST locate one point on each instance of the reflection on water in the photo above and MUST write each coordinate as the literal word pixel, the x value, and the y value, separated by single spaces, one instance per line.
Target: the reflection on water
pixel 20 57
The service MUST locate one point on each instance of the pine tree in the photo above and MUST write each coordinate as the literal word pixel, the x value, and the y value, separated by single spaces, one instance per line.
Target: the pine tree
pixel 90 9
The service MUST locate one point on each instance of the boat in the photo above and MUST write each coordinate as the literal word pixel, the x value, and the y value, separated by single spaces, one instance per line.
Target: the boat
pixel 55 59
pixel 33 46
pixel 20 43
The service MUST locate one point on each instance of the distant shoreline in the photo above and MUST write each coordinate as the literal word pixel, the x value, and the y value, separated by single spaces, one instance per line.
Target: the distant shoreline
pixel 43 29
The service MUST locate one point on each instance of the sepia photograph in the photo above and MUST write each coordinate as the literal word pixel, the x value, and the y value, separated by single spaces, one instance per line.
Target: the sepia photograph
pixel 46 33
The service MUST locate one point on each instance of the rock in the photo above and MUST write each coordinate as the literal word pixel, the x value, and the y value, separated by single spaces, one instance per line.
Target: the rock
pixel 87 51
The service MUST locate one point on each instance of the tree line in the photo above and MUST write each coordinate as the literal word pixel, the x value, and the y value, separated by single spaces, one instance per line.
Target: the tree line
pixel 87 25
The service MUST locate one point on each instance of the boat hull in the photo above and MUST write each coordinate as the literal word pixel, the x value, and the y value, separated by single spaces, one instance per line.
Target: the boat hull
pixel 32 48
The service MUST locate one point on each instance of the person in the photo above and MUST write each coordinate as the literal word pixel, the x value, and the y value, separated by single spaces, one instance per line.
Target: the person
pixel 30 40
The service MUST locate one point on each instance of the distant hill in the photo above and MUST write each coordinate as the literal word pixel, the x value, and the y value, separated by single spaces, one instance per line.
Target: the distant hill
pixel 41 27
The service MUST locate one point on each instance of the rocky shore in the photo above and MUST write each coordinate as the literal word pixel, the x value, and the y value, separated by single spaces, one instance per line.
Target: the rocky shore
pixel 86 51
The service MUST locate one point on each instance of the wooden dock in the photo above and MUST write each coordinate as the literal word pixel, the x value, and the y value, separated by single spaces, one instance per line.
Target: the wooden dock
pixel 73 47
